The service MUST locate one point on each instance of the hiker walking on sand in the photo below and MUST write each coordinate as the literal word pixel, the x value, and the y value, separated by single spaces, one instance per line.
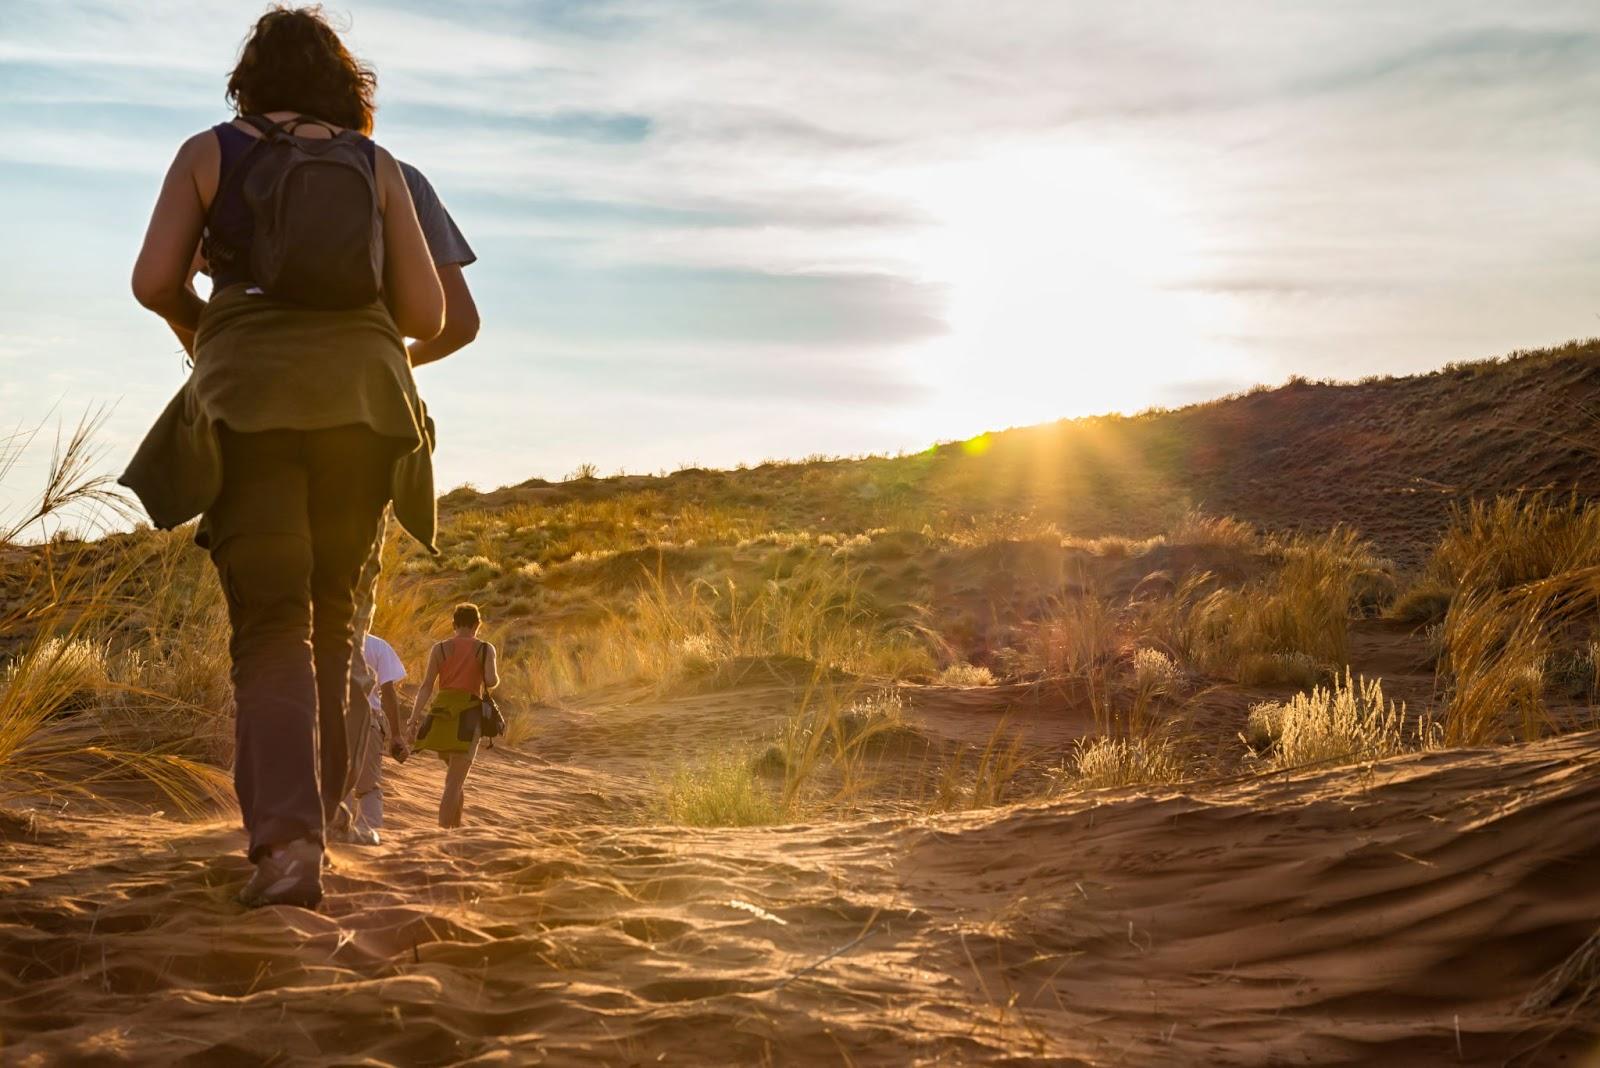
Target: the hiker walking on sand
pixel 364 805
pixel 466 670
pixel 301 421
pixel 451 255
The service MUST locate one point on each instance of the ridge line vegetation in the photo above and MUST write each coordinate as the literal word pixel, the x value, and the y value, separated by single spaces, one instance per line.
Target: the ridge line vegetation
pixel 867 589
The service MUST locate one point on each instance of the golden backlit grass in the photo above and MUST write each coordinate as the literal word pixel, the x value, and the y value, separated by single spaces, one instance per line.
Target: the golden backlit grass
pixel 721 790
pixel 1526 574
pixel 1104 763
pixel 840 580
pixel 97 696
pixel 1343 723
pixel 1300 609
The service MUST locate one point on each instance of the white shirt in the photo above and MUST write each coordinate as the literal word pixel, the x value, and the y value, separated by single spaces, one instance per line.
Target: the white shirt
pixel 385 665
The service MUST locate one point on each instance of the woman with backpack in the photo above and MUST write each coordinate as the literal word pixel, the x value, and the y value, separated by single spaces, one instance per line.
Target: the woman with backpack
pixel 301 420
pixel 466 670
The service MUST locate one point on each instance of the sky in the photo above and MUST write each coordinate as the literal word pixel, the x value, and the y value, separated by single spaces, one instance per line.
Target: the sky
pixel 714 232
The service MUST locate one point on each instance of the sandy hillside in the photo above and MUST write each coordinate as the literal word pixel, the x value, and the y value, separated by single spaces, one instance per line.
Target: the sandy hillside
pixel 904 666
pixel 1388 455
pixel 1391 916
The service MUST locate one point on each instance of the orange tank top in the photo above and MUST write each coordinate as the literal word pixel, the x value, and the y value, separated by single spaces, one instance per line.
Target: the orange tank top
pixel 459 669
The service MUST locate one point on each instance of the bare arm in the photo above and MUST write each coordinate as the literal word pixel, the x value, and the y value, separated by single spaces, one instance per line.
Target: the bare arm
pixel 164 272
pixel 391 707
pixel 491 668
pixel 184 335
pixel 410 284
pixel 460 319
pixel 425 691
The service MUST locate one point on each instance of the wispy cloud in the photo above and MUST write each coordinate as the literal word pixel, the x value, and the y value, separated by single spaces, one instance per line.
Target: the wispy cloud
pixel 850 224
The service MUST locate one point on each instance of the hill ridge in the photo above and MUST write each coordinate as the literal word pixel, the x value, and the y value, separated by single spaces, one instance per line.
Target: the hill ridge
pixel 1389 456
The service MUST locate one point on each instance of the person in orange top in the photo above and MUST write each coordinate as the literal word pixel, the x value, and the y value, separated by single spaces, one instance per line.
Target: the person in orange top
pixel 465 670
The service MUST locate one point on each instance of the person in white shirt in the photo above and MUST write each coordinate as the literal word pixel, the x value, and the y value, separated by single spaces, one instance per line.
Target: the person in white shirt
pixel 361 816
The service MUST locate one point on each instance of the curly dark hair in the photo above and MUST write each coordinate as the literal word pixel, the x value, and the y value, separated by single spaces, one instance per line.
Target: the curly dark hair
pixel 294 60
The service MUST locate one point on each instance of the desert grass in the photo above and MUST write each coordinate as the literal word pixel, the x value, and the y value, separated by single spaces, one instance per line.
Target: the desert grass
pixel 1155 675
pixel 510 539
pixel 980 777
pixel 1076 635
pixel 75 496
pixel 672 631
pixel 828 751
pixel 1528 601
pixel 722 790
pixel 1495 648
pixel 965 675
pixel 1575 671
pixel 825 761
pixel 1300 609
pixel 1425 603
pixel 1198 528
pixel 1514 540
pixel 78 716
pixel 1346 722
pixel 1282 669
pixel 1104 762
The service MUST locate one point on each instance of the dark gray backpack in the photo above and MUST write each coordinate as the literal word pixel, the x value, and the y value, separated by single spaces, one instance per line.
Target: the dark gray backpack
pixel 318 233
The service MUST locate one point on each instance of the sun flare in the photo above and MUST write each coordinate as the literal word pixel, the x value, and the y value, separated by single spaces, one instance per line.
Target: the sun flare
pixel 1069 278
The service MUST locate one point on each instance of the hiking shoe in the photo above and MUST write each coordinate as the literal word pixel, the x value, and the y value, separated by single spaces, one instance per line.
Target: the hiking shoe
pixel 352 834
pixel 289 874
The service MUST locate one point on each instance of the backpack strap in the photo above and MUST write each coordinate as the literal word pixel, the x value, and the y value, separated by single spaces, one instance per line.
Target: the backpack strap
pixel 227 183
pixel 266 127
pixel 483 670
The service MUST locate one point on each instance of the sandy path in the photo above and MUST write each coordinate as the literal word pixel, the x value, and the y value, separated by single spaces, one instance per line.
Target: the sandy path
pixel 1392 918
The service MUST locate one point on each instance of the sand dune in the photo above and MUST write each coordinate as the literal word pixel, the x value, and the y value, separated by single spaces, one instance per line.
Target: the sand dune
pixel 1392 917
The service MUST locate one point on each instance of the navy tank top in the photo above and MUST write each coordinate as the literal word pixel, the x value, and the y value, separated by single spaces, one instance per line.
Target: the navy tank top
pixel 231 223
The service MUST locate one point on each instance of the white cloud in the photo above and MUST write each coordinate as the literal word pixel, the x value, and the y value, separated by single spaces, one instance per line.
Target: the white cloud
pixel 1094 204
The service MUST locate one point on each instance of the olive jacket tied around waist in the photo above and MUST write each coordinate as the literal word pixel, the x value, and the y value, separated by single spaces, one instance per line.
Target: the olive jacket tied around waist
pixel 262 365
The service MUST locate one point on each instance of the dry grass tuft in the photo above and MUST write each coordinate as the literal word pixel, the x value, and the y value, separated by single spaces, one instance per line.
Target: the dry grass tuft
pixel 720 791
pixel 1348 722
pixel 1425 603
pixel 1282 669
pixel 1196 528
pixel 972 778
pixel 1514 540
pixel 965 675
pixel 1528 572
pixel 1300 610
pixel 78 713
pixel 1102 763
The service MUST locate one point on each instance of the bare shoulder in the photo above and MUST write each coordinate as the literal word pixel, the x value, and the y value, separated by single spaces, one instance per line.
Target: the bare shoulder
pixel 197 155
pixel 200 147
pixel 387 172
pixel 385 161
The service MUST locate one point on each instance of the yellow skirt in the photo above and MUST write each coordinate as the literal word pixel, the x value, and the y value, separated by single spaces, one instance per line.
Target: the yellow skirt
pixel 452 723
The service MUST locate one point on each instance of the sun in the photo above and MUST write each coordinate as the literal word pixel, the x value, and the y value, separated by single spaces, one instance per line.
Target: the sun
pixel 1069 278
